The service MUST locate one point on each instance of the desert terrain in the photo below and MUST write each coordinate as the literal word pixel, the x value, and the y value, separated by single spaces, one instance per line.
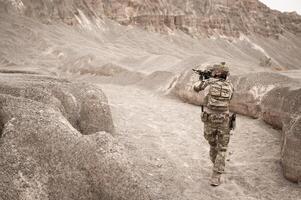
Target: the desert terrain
pixel 96 99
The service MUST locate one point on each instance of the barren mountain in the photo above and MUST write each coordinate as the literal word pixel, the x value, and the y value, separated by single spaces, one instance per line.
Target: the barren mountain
pixel 241 25
pixel 60 140
pixel 195 17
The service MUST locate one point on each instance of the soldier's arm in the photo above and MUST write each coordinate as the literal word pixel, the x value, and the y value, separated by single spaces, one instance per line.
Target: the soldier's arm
pixel 200 85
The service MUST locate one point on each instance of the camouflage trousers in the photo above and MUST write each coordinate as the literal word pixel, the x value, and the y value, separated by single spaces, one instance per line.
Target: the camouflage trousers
pixel 217 133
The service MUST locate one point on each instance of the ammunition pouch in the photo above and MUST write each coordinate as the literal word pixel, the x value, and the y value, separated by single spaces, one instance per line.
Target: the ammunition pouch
pixel 204 117
pixel 219 118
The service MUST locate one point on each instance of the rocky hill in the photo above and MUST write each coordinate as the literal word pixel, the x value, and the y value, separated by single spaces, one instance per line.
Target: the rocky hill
pixel 198 18
pixel 205 17
pixel 270 37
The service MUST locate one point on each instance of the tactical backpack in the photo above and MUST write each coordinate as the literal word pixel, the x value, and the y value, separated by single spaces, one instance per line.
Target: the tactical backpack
pixel 219 96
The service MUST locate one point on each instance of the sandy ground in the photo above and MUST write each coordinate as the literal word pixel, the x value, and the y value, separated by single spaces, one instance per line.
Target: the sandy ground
pixel 164 138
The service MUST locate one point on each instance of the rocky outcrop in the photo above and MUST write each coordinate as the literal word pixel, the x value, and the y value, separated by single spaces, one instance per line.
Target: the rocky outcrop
pixel 281 107
pixel 68 98
pixel 274 98
pixel 182 88
pixel 198 18
pixel 291 151
pixel 56 143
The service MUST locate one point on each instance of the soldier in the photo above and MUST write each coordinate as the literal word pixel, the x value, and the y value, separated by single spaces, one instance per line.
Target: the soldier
pixel 216 117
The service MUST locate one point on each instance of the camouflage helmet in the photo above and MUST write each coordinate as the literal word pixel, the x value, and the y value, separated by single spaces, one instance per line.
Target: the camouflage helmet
pixel 209 68
pixel 220 69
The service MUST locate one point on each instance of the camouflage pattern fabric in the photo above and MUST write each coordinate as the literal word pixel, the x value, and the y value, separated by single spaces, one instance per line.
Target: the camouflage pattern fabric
pixel 217 133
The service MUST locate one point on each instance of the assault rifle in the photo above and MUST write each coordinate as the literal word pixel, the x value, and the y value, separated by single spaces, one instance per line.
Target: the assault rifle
pixel 203 75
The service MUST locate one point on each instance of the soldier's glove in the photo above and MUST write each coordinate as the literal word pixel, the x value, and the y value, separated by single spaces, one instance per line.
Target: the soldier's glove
pixel 197 86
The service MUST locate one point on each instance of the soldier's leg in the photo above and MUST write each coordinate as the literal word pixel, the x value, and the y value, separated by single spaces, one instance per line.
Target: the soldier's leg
pixel 210 135
pixel 213 151
pixel 223 139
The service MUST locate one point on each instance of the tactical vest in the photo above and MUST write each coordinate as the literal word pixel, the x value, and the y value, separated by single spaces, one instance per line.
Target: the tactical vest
pixel 219 96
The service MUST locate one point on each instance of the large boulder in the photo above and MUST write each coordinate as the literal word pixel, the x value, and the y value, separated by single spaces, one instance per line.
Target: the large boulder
pixel 281 108
pixel 291 151
pixel 83 105
pixel 43 154
pixel 182 88
pixel 251 88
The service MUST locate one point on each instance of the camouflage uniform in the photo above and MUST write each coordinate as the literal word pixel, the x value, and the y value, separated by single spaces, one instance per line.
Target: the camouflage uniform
pixel 218 136
pixel 216 127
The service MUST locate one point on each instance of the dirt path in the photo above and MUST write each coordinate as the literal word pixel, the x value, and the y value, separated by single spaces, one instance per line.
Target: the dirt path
pixel 164 139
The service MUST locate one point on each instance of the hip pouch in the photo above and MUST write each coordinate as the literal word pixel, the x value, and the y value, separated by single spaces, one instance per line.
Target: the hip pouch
pixel 204 117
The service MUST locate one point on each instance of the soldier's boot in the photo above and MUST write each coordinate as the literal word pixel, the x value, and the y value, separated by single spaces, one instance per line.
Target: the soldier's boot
pixel 215 178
